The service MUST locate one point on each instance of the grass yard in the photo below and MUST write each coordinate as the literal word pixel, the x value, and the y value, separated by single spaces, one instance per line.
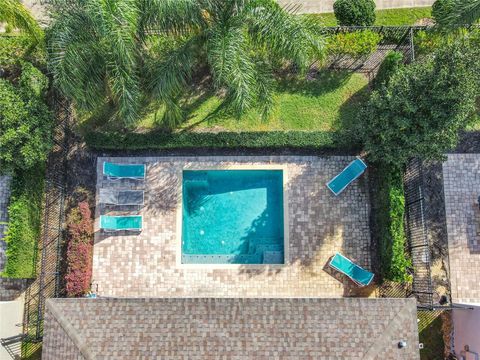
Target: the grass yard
pixel 406 16
pixel 431 327
pixel 327 103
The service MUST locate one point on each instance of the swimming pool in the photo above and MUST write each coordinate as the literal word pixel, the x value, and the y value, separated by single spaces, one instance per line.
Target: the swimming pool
pixel 232 217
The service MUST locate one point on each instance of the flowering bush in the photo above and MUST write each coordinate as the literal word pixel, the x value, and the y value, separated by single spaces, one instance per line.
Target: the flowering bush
pixel 79 250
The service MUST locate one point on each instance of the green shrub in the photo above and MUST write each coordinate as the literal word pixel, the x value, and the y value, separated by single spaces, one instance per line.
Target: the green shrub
pixel 14 48
pixel 392 62
pixel 421 110
pixel 354 12
pixel 389 212
pixel 441 9
pixel 222 140
pixel 23 230
pixel 25 121
pixel 354 44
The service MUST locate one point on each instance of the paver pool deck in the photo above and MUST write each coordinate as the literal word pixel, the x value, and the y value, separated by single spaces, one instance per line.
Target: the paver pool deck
pixel 461 177
pixel 319 224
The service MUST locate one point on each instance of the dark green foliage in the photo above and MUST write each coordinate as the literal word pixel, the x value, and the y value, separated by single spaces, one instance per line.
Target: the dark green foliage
pixel 354 12
pixel 25 121
pixel 24 213
pixel 354 44
pixel 463 13
pixel 422 108
pixel 392 62
pixel 388 221
pixel 98 50
pixel 442 9
pixel 228 140
pixel 17 16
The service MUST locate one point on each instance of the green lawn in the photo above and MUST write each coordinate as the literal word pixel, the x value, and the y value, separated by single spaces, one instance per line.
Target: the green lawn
pixel 327 103
pixel 406 16
pixel 431 335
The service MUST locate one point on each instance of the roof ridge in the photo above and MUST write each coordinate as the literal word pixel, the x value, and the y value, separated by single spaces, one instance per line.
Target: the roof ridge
pixel 387 334
pixel 72 333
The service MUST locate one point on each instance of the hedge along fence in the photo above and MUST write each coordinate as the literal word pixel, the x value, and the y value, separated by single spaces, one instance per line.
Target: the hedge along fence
pixel 388 215
pixel 314 140
pixel 23 231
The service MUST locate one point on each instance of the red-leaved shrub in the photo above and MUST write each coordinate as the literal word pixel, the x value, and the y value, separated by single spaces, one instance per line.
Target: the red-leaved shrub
pixel 79 250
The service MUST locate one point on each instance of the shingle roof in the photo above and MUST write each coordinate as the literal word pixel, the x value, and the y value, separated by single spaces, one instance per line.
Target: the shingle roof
pixel 227 328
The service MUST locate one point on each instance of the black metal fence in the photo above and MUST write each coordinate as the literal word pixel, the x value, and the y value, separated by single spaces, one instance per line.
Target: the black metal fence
pixel 392 38
pixel 418 244
pixel 47 282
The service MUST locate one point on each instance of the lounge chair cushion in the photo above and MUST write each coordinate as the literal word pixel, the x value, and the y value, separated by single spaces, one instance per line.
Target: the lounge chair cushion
pixel 131 171
pixel 350 173
pixel 130 222
pixel 352 270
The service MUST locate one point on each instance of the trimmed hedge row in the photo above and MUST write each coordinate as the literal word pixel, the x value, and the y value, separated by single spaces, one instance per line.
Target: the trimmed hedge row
pixel 221 140
pixel 389 212
pixel 23 231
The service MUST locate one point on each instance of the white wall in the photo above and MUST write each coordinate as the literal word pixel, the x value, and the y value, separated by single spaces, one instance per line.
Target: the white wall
pixel 11 314
pixel 466 325
pixel 323 6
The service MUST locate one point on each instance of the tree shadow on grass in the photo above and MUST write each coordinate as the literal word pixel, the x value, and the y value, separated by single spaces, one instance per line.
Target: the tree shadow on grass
pixel 317 83
pixel 350 124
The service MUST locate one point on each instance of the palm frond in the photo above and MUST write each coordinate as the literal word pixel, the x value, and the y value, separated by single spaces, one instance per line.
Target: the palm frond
pixel 232 68
pixel 170 16
pixel 94 54
pixel 284 35
pixel 14 13
pixel 170 76
pixel 466 12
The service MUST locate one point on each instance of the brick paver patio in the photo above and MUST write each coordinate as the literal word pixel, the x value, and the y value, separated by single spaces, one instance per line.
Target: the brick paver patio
pixel 461 174
pixel 320 224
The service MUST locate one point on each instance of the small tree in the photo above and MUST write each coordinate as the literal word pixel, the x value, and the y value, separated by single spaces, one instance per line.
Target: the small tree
pixel 354 12
pixel 25 121
pixel 422 108
pixel 389 66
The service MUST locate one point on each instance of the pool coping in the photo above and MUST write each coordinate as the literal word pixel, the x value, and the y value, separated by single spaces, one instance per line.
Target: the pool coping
pixel 179 216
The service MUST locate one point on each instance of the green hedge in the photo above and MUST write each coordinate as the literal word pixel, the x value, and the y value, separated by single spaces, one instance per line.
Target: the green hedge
pixel 389 212
pixel 23 231
pixel 221 140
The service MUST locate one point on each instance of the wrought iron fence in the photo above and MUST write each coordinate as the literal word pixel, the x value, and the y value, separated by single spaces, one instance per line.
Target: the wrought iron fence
pixel 392 38
pixel 47 282
pixel 418 244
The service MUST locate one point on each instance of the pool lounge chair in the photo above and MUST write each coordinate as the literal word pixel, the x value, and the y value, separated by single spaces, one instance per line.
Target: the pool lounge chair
pixel 357 274
pixel 349 174
pixel 115 171
pixel 121 197
pixel 121 223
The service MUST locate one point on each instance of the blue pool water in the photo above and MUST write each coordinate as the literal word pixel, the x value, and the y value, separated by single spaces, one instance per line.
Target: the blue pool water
pixel 232 217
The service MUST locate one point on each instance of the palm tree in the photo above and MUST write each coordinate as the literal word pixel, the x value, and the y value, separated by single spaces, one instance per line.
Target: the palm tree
pixel 94 53
pixel 465 12
pixel 240 41
pixel 15 14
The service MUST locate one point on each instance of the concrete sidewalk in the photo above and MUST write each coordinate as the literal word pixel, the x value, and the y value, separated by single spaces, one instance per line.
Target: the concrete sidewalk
pixel 11 317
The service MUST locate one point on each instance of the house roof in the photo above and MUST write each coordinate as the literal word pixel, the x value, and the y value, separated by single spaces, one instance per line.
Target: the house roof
pixel 248 328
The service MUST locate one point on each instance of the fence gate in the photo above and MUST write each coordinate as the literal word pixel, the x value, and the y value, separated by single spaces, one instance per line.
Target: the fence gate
pixel 417 233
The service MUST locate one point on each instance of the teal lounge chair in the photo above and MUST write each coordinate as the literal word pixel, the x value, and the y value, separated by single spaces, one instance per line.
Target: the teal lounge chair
pixel 357 274
pixel 119 223
pixel 124 171
pixel 350 173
